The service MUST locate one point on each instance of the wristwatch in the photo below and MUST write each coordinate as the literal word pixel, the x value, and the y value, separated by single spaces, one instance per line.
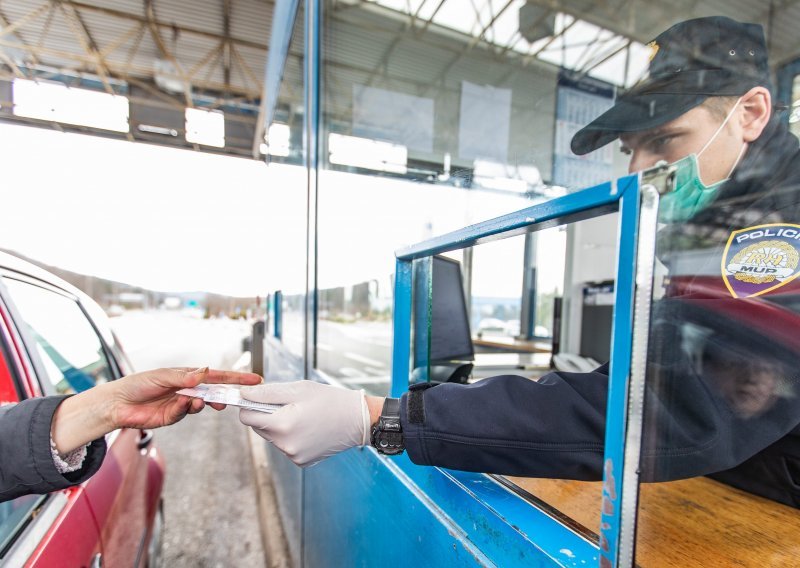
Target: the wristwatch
pixel 387 434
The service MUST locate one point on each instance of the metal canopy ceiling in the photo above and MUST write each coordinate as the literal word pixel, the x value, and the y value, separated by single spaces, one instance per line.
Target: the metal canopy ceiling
pixel 166 55
pixel 490 23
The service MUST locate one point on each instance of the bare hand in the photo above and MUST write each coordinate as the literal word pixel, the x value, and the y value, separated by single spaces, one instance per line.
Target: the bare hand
pixel 148 399
pixel 142 400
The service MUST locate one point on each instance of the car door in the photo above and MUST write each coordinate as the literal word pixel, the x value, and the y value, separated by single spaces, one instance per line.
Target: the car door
pixel 40 530
pixel 69 356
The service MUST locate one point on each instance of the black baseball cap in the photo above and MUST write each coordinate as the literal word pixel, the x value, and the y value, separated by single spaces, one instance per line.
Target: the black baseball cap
pixel 689 62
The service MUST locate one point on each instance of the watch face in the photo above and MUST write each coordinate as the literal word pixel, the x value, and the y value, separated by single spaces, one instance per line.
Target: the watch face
pixel 389 442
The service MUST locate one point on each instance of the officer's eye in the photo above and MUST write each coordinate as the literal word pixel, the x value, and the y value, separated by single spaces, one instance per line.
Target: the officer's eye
pixel 625 150
pixel 659 143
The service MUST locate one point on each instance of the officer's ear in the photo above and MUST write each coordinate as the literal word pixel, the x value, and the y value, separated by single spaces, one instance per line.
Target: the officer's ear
pixel 756 110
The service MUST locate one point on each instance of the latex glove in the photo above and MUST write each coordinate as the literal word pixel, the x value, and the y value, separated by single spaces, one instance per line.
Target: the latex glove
pixel 317 422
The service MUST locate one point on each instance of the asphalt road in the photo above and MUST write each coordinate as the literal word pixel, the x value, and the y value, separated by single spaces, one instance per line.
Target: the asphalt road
pixel 210 507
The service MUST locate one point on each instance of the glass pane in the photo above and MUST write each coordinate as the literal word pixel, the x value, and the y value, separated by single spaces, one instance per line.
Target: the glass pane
pixel 722 414
pixel 496 284
pixel 794 117
pixel 67 345
pixel 287 223
pixel 497 270
pixel 13 515
pixel 419 139
pixel 549 265
pixel 722 393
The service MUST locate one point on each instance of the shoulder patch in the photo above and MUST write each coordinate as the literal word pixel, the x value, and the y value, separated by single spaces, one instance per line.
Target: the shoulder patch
pixel 760 259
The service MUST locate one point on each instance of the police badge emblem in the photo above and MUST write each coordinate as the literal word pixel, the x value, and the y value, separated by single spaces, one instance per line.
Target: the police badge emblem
pixel 760 259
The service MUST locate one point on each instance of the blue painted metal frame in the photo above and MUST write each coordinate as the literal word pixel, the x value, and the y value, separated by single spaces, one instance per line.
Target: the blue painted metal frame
pixel 619 373
pixel 283 18
pixel 277 318
pixel 550 535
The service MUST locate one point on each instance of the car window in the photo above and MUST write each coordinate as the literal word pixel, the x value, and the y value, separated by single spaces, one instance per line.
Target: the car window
pixel 67 345
pixel 13 515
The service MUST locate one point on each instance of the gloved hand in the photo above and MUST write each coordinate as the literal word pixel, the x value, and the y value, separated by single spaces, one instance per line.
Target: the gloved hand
pixel 317 422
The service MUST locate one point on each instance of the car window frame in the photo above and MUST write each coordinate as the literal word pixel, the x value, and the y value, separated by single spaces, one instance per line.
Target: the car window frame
pixel 45 507
pixel 10 362
pixel 28 342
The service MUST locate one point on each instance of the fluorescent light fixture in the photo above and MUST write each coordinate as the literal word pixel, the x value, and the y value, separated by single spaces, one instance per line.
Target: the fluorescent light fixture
pixel 206 127
pixel 277 140
pixel 158 130
pixel 367 153
pixel 56 102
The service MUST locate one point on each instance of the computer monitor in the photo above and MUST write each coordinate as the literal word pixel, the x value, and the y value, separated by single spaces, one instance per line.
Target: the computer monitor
pixel 450 337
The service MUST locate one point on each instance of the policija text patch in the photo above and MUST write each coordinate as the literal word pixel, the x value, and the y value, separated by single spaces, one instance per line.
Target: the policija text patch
pixel 760 259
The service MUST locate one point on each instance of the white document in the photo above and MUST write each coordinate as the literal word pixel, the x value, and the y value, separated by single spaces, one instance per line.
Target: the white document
pixel 227 394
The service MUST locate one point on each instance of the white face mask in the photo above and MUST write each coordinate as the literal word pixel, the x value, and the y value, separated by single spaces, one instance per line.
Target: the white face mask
pixel 691 194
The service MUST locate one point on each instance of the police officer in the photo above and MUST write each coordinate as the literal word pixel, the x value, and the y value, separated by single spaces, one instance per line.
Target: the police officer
pixel 721 387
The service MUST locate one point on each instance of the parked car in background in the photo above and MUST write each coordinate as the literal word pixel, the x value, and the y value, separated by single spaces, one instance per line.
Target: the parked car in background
pixel 54 339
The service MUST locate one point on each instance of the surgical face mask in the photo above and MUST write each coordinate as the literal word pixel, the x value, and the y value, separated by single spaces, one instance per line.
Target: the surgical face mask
pixel 691 194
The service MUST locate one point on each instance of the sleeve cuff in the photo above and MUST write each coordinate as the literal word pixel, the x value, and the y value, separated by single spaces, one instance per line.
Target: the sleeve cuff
pixel 412 420
pixel 71 461
pixel 52 478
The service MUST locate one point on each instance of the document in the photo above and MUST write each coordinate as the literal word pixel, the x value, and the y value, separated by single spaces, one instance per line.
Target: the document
pixel 228 394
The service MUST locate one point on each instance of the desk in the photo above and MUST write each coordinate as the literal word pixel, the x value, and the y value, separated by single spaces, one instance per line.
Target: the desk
pixel 693 522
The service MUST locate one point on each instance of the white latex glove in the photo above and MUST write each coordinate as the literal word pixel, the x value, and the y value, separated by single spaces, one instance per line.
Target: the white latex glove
pixel 317 422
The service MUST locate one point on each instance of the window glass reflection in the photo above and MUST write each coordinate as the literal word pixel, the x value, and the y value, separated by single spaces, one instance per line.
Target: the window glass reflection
pixel 68 346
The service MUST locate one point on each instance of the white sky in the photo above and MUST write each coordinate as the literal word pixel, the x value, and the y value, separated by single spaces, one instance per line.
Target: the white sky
pixel 162 218
pixel 178 220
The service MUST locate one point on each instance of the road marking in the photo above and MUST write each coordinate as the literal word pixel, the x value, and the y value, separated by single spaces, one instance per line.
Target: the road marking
pixel 365 360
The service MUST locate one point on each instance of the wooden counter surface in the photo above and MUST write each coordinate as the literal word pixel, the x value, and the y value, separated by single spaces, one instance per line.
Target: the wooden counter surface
pixel 694 522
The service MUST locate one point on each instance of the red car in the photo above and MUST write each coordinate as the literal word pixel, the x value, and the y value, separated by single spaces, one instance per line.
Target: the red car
pixel 55 339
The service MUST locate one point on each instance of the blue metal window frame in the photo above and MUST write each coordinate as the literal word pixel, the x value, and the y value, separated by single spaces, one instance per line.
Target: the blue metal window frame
pixel 283 18
pixel 277 316
pixel 552 537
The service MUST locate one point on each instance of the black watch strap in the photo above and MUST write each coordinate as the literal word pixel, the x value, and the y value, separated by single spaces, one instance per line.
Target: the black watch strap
pixel 387 433
pixel 391 408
